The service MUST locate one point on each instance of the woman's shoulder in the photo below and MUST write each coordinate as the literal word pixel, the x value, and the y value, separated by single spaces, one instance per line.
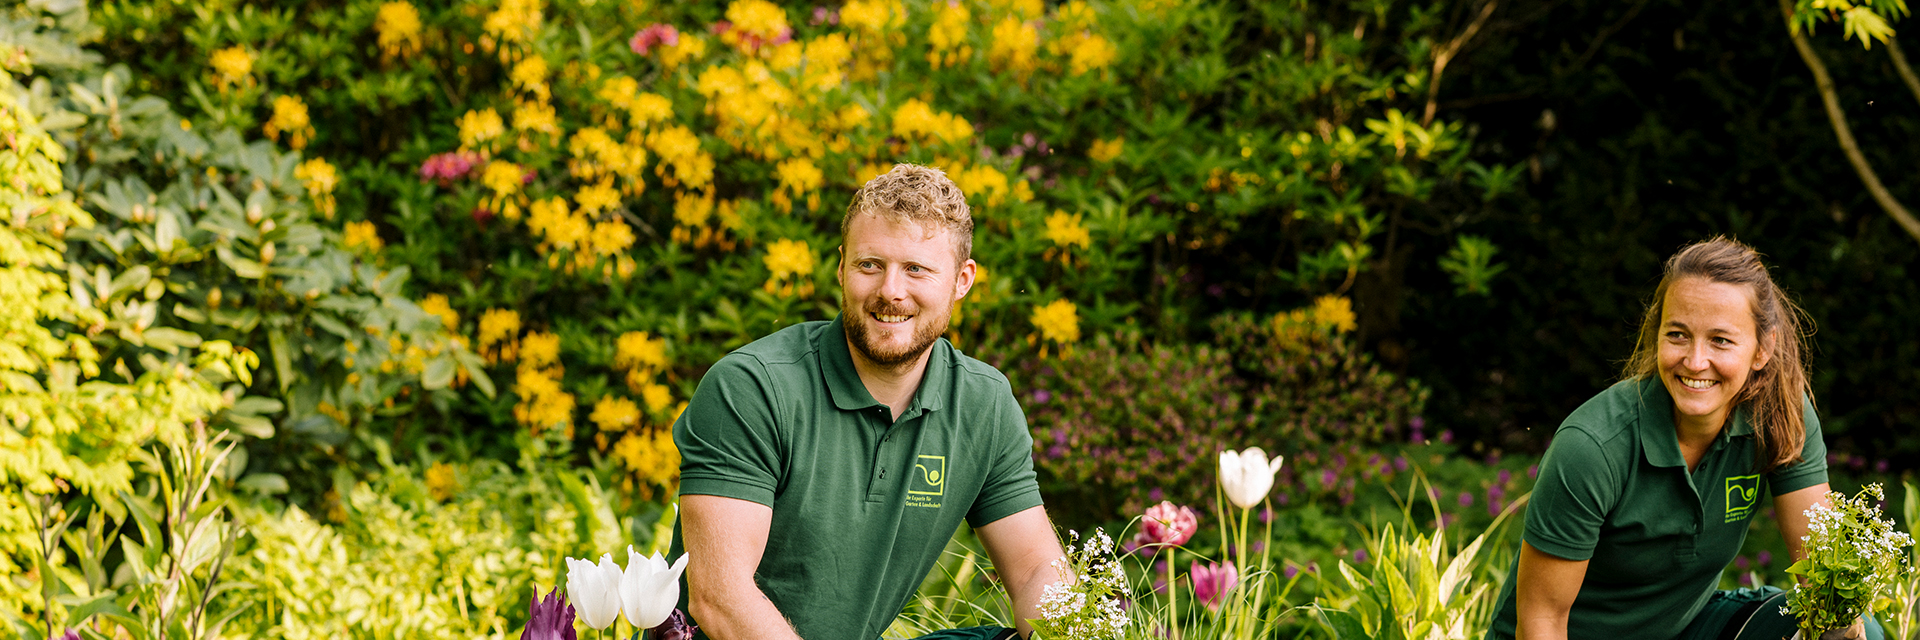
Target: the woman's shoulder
pixel 1612 416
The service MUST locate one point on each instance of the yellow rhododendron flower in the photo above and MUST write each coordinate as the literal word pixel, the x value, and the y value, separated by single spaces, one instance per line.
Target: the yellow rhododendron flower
pixel 1074 16
pixel 361 236
pixel 679 149
pixel 826 59
pixel 437 305
pixel 652 458
pixel 516 21
pixel 497 325
pixel 398 26
pixel 290 116
pixel 789 258
pixel 1023 9
pixel 648 108
pixel 480 127
pixel 546 215
pixel 948 35
pixel 916 119
pixel 231 66
pixel 536 116
pixel 690 48
pixel 984 182
pixel 611 237
pixel 1015 43
pixel 1058 321
pixel 613 413
pixel 691 210
pixel 636 349
pixel 799 177
pixel 596 198
pixel 755 23
pixel 530 74
pixel 503 177
pixel 319 178
pixel 786 56
pixel 1065 230
pixel 872 16
pixel 657 397
pixel 542 404
pixel 1104 151
pixel 1334 312
pixel 1091 53
pixel 539 349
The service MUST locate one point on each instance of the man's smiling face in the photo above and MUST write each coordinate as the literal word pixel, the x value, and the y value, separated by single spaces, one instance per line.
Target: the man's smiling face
pixel 899 281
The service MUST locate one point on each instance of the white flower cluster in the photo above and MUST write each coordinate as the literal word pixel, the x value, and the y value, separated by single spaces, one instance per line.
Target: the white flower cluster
pixel 1852 556
pixel 1087 602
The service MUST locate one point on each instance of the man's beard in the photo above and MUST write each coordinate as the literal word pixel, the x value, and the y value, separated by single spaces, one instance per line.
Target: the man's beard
pixel 860 334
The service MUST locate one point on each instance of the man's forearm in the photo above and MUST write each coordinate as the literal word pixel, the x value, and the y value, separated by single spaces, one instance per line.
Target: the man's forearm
pixel 741 614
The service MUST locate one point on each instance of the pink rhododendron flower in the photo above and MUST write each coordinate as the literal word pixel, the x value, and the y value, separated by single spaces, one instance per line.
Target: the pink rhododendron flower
pixel 1212 581
pixel 653 35
pixel 445 168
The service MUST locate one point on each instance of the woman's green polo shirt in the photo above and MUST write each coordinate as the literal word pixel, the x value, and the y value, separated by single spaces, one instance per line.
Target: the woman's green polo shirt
pixel 862 505
pixel 1614 490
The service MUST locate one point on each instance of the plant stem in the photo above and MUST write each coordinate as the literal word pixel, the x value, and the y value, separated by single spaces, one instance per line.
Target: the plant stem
pixel 1830 98
pixel 1173 595
pixel 1900 65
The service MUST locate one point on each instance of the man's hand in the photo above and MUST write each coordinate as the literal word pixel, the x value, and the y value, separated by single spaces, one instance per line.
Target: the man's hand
pixel 724 539
pixel 1023 547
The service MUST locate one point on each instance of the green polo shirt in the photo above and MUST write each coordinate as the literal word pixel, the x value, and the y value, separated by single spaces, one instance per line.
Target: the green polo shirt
pixel 1614 490
pixel 863 505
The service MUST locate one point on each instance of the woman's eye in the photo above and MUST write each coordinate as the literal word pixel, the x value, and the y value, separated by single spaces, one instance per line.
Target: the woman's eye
pixel 1675 335
pixel 1722 341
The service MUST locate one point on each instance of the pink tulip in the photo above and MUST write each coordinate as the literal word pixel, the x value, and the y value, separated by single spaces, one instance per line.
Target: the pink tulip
pixel 1212 582
pixel 1167 525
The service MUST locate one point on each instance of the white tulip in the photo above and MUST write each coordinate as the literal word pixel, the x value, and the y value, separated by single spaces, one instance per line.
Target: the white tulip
pixel 650 589
pixel 1247 476
pixel 594 590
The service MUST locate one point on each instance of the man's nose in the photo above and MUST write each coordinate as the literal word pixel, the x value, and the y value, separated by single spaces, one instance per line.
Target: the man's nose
pixel 893 286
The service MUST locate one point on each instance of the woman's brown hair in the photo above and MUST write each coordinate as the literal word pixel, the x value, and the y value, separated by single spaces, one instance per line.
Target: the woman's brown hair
pixel 1773 396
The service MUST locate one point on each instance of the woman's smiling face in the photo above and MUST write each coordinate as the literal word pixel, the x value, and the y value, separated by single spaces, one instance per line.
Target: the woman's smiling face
pixel 1709 348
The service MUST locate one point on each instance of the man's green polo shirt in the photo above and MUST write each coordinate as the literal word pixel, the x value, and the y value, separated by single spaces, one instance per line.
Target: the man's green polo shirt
pixel 1614 490
pixel 863 505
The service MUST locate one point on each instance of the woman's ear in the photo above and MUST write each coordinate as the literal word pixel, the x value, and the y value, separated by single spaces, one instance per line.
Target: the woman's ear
pixel 1765 353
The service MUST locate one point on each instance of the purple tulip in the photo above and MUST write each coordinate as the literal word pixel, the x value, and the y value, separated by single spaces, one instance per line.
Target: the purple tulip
pixel 1212 582
pixel 675 628
pixel 552 618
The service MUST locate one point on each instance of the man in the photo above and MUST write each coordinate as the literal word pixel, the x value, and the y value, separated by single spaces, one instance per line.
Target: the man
pixel 826 466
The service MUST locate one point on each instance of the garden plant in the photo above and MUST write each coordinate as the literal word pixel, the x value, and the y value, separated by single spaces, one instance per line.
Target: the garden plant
pixel 368 319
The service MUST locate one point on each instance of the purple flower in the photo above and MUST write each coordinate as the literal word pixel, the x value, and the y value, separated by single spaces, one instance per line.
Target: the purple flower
pixel 1505 477
pixel 1041 396
pixel 552 618
pixel 675 628
pixel 1880 466
pixel 71 634
pixel 1740 563
pixel 1446 436
pixel 1212 582
pixel 1156 494
pixel 1359 555
pixel 1533 471
pixel 1746 579
pixel 1400 463
pixel 1466 499
pixel 1764 558
pixel 1290 571
pixel 823 15
pixel 1327 477
pixel 1417 423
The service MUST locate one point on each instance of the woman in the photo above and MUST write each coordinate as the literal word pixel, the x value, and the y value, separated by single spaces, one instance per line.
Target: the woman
pixel 1646 491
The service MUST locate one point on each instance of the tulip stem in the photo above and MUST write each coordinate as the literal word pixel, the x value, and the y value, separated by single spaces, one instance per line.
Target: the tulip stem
pixel 1173 595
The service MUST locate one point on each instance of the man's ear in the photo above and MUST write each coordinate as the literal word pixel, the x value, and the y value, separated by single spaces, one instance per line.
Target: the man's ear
pixel 963 279
pixel 840 267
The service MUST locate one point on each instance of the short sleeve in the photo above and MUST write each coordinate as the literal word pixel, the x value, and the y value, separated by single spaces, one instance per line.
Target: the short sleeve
pixel 1811 470
pixel 1010 486
pixel 728 436
pixel 1576 490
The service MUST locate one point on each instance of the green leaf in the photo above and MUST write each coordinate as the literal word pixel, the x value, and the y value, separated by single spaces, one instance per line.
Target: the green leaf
pixel 250 425
pixel 282 357
pixel 169 339
pixel 439 373
pixel 1345 626
pixel 103 604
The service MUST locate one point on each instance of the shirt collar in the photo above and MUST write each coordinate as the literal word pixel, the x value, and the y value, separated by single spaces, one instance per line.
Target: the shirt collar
pixel 850 394
pixel 1658 439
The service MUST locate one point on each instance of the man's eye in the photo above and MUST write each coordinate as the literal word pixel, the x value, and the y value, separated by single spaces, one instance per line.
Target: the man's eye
pixel 915 268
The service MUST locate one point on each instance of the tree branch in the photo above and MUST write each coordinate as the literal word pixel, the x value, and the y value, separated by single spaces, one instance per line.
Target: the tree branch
pixel 1446 54
pixel 1900 64
pixel 1831 99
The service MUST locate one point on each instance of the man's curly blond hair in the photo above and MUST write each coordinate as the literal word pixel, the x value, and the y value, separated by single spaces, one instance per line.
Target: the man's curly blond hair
pixel 922 195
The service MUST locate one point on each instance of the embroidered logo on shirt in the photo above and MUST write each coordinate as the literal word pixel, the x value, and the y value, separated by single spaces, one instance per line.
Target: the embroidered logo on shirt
pixel 929 481
pixel 1742 493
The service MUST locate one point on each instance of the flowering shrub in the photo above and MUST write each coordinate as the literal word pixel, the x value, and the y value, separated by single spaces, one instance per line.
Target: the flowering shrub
pixel 1118 427
pixel 1853 556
